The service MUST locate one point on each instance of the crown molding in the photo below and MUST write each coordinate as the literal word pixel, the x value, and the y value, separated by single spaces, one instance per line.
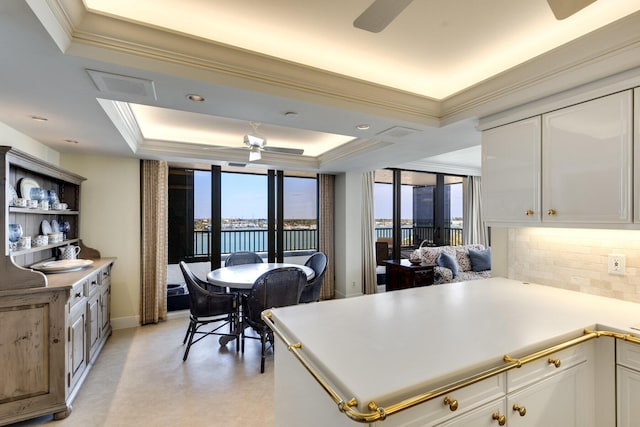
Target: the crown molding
pixel 76 30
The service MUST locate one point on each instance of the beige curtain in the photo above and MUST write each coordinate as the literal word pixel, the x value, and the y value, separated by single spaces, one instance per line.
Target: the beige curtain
pixel 473 229
pixel 369 282
pixel 154 189
pixel 326 227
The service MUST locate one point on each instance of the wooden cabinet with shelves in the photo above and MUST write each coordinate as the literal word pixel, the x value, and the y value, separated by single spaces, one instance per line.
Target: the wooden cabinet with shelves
pixel 53 326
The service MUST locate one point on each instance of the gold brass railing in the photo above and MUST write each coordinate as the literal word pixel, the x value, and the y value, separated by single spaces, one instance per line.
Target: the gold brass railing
pixel 380 413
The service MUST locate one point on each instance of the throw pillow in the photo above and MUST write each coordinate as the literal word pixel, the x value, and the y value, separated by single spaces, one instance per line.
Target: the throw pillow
pixel 480 259
pixel 448 261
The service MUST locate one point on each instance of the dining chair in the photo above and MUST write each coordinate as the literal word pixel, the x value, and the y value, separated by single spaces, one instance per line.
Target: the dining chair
pixel 311 292
pixel 243 257
pixel 208 307
pixel 280 287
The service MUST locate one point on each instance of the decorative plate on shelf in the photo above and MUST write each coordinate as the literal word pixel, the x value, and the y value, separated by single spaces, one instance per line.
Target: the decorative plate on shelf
pixel 55 227
pixel 62 266
pixel 11 195
pixel 26 184
pixel 46 227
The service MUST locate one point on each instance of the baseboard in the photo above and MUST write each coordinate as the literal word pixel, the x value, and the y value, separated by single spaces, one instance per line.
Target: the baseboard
pixel 125 322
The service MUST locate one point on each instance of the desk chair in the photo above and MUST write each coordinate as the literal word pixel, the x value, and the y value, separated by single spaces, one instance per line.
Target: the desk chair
pixel 243 257
pixel 276 288
pixel 209 307
pixel 318 262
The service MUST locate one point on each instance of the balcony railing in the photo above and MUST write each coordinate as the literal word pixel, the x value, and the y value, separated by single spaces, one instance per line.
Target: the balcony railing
pixel 413 236
pixel 255 240
pixel 302 239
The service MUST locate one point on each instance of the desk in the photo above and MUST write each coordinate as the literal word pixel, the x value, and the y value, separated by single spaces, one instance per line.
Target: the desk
pixel 401 274
pixel 243 276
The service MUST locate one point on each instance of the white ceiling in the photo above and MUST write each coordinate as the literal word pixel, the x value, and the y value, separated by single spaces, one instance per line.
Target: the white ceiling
pixel 420 84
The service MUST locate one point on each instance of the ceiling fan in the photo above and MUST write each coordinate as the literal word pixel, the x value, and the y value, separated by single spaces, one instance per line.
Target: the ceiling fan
pixel 381 12
pixel 257 144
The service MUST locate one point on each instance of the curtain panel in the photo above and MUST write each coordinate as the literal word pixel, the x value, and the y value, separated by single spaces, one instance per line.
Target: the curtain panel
pixel 474 230
pixel 369 282
pixel 326 227
pixel 154 200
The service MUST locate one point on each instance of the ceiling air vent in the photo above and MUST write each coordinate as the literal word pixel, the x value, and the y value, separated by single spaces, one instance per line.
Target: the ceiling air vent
pixel 397 132
pixel 236 165
pixel 117 85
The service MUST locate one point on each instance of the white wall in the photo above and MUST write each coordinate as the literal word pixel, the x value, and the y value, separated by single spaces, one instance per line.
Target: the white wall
pixel 348 235
pixel 15 139
pixel 110 223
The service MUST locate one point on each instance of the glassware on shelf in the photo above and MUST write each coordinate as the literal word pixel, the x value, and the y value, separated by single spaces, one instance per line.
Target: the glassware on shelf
pixel 64 228
pixel 15 232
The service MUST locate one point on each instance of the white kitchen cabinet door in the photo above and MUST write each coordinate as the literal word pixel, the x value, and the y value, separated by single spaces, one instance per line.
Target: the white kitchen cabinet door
pixel 489 415
pixel 587 162
pixel 565 399
pixel 511 172
pixel 628 397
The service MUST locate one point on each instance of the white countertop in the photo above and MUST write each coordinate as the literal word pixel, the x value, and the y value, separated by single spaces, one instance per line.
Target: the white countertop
pixel 387 346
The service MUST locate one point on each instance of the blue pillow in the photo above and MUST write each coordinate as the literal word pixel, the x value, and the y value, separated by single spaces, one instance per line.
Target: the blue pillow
pixel 448 261
pixel 480 259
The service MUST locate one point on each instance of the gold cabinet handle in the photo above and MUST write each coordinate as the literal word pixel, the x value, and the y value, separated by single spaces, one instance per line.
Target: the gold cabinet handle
pixel 520 409
pixel 554 362
pixel 453 404
pixel 501 419
pixel 529 212
pixel 551 212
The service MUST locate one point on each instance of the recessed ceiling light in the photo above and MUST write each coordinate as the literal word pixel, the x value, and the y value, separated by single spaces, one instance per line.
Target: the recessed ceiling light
pixel 363 127
pixel 39 118
pixel 195 98
pixel 71 141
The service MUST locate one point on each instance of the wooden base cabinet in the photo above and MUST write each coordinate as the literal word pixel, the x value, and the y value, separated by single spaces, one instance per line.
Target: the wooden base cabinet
pixel 49 339
pixel 32 354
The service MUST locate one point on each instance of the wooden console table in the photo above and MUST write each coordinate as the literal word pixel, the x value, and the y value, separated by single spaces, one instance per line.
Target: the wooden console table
pixel 401 274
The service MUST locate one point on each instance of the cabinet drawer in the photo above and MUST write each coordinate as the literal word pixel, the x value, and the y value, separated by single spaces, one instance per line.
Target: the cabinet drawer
pixel 544 367
pixel 105 274
pixel 628 354
pixel 459 402
pixel 93 285
pixel 77 293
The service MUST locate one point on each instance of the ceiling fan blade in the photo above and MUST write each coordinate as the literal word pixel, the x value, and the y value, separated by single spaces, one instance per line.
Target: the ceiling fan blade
pixel 380 14
pixel 283 150
pixel 565 8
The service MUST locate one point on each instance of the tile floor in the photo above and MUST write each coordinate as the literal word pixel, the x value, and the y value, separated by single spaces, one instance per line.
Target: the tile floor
pixel 140 380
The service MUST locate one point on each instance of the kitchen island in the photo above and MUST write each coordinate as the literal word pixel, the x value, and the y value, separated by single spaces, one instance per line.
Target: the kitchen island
pixel 455 347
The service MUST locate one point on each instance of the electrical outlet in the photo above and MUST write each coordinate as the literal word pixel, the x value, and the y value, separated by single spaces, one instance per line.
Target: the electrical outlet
pixel 617 264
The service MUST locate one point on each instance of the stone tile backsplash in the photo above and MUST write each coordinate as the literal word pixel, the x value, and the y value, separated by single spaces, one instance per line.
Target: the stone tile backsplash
pixel 576 259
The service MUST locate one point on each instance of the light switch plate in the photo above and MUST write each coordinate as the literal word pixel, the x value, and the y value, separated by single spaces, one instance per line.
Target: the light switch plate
pixel 617 264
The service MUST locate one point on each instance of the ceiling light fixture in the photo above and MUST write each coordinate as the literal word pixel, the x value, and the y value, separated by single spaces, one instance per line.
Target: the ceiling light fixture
pixel 195 97
pixel 363 127
pixel 39 118
pixel 291 114
pixel 254 153
pixel 71 141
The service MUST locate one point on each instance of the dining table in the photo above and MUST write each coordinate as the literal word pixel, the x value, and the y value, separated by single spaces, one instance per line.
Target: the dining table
pixel 241 277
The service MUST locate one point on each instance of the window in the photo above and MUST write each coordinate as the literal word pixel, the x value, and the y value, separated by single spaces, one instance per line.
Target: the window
pixel 244 200
pixel 430 208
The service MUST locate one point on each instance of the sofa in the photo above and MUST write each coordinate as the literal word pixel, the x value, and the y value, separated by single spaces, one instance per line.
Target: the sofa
pixel 457 265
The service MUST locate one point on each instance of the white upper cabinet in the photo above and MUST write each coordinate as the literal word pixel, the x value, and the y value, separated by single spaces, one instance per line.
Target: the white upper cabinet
pixel 511 172
pixel 587 162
